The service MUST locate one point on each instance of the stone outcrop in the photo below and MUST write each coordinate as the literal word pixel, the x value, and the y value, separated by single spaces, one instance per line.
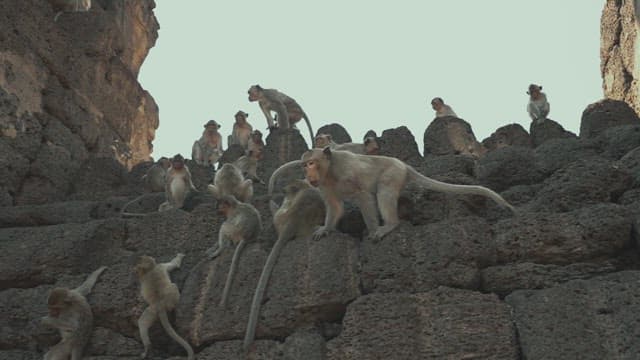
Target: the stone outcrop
pixel 604 114
pixel 68 92
pixel 509 135
pixel 619 47
pixel 451 135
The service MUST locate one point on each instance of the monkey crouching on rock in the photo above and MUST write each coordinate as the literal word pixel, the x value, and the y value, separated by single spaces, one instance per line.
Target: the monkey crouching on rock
pixel 372 182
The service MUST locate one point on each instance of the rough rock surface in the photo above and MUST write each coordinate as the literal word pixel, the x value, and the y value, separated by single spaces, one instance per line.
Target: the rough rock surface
pixel 548 130
pixel 451 135
pixel 605 114
pixel 512 134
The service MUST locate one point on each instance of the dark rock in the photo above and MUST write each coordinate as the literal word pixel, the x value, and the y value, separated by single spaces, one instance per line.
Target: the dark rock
pixel 463 164
pixel 618 141
pixel 605 114
pixel 443 323
pixel 557 153
pixel 98 177
pixel 451 136
pixel 401 144
pixel 233 153
pixel 508 135
pixel 50 214
pixel 282 146
pixel 583 319
pixel 337 132
pixel 507 167
pixel 546 131
pixel 630 162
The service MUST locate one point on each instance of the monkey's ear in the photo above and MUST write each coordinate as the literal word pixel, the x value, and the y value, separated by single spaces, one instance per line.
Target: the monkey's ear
pixel 327 152
pixel 540 87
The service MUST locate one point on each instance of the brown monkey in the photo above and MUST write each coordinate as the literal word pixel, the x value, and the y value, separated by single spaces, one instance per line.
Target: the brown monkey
pixel 301 212
pixel 441 108
pixel 69 6
pixel 177 184
pixel 248 164
pixel 162 296
pixel 242 225
pixel 70 313
pixel 369 147
pixel 288 110
pixel 208 149
pixel 241 133
pixel 370 181
pixel 230 181
pixel 255 143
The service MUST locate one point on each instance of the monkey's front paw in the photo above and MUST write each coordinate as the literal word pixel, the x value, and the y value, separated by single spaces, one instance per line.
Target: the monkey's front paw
pixel 320 233
pixel 212 252
pixel 143 355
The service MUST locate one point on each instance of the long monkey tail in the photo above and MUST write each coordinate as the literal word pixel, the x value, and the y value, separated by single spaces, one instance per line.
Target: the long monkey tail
pixel 162 314
pixel 275 174
pixel 232 272
pixel 85 288
pixel 436 185
pixel 262 285
pixel 304 115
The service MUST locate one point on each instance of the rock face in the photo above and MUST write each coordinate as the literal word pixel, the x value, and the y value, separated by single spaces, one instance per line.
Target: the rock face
pixel 69 92
pixel 619 58
pixel 512 134
pixel 450 135
pixel 605 114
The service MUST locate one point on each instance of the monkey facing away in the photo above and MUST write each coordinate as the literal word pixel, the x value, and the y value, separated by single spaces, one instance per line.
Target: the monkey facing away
pixel 288 110
pixel 538 106
pixel 230 181
pixel 70 313
pixel 69 6
pixel 162 296
pixel 368 147
pixel 301 212
pixel 177 184
pixel 242 225
pixel 370 181
pixel 248 164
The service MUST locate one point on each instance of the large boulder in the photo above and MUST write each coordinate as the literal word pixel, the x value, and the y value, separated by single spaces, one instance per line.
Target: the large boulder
pixel 583 319
pixel 337 132
pixel 618 141
pixel 548 130
pixel 451 135
pixel 283 145
pixel 401 144
pixel 604 114
pixel 508 135
pixel 557 153
pixel 507 167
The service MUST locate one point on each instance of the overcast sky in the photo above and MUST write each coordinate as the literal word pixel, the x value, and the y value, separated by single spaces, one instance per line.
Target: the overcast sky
pixel 371 65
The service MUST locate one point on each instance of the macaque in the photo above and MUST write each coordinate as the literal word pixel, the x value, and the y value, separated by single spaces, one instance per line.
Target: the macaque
pixel 241 133
pixel 301 212
pixel 441 108
pixel 538 107
pixel 154 179
pixel 255 143
pixel 70 313
pixel 248 164
pixel 177 184
pixel 69 6
pixel 288 110
pixel 372 182
pixel 369 147
pixel 208 149
pixel 162 296
pixel 230 181
pixel 242 225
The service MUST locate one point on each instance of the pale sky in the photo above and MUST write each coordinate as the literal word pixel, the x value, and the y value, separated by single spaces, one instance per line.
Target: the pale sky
pixel 371 65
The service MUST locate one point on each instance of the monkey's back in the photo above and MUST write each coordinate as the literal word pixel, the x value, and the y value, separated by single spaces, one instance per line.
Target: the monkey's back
pixel 157 288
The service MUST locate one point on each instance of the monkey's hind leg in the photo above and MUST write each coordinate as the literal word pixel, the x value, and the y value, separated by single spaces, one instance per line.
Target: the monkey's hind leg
pixel 388 206
pixel 145 321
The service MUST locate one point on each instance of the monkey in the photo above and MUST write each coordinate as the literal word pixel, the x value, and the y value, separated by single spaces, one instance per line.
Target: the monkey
pixel 154 179
pixel 538 106
pixel 177 184
pixel 71 314
pixel 255 143
pixel 230 181
pixel 288 110
pixel 69 6
pixel 208 149
pixel 441 108
pixel 242 225
pixel 301 212
pixel 161 295
pixel 370 181
pixel 242 130
pixel 369 147
pixel 248 164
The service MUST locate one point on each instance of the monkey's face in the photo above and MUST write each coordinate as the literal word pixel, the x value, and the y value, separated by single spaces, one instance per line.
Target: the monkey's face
pixel 225 207
pixel 164 163
pixel 322 140
pixel 144 265
pixel 316 163
pixel 436 105
pixel 371 146
pixel 256 137
pixel 58 301
pixel 254 93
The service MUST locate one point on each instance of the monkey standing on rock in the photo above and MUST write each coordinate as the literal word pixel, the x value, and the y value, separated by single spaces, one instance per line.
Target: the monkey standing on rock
pixel 301 212
pixel 177 184
pixel 370 181
pixel 162 296
pixel 242 225
pixel 208 149
pixel 288 110
pixel 538 106
pixel 70 313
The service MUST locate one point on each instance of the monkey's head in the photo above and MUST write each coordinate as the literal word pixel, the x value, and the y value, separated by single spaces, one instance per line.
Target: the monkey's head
pixel 534 91
pixel 164 162
pixel 144 265
pixel 322 140
pixel 371 146
pixel 255 92
pixel 226 205
pixel 59 300
pixel 241 117
pixel 256 136
pixel 296 186
pixel 316 164
pixel 437 103
pixel 177 162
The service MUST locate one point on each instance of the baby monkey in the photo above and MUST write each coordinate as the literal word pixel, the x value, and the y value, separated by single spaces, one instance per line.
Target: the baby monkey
pixel 242 225
pixel 162 296
pixel 70 313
